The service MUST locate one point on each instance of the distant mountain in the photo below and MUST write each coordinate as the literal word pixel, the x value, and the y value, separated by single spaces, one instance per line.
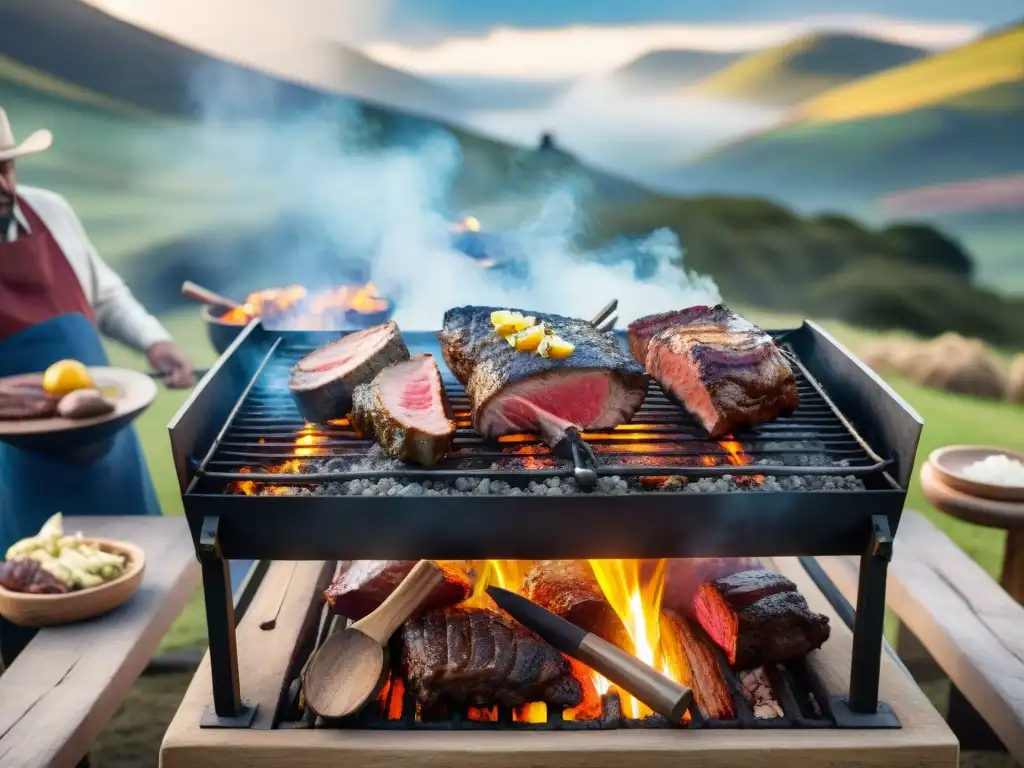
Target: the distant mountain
pixel 952 116
pixel 86 47
pixel 980 73
pixel 671 68
pixel 787 74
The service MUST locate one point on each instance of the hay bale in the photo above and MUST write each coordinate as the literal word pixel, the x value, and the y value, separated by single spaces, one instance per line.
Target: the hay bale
pixel 1015 381
pixel 949 362
pixel 896 357
pixel 963 366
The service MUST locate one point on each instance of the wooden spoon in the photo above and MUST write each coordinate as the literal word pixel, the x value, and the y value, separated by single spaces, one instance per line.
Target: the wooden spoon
pixel 206 296
pixel 350 668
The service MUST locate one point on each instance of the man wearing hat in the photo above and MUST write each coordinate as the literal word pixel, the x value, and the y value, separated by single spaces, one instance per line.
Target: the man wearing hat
pixel 56 297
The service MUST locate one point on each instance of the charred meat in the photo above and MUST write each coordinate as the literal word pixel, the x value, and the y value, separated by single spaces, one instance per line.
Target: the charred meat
pixel 482 658
pixel 724 370
pixel 759 617
pixel 323 381
pixel 405 409
pixel 683 577
pixel 568 588
pixel 27 576
pixel 362 585
pixel 597 386
pixel 23 401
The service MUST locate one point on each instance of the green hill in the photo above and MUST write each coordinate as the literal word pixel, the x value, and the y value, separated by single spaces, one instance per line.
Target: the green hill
pixel 668 69
pixel 953 116
pixel 788 74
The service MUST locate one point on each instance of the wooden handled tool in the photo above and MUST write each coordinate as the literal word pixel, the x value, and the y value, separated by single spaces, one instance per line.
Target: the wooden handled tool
pixel 206 296
pixel 642 681
pixel 350 668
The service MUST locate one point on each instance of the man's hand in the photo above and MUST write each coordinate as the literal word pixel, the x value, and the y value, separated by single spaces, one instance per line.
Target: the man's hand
pixel 166 357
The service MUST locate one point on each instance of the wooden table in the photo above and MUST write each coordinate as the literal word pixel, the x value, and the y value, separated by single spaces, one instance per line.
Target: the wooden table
pixel 69 681
pixel 268 656
pixel 992 513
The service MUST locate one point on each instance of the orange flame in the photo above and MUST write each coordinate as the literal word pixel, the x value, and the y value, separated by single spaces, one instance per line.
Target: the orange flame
pixel 312 310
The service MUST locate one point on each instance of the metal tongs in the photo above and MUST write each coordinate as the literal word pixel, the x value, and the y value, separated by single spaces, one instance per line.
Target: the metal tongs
pixel 573 447
pixel 605 320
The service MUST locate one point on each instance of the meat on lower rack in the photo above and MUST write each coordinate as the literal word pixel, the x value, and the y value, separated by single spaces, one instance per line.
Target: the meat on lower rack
pixel 362 585
pixel 482 658
pixel 758 617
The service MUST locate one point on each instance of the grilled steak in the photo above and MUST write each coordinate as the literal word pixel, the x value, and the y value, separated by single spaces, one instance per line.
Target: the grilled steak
pixel 596 387
pixel 26 575
pixel 758 617
pixel 688 650
pixel 724 370
pixel 482 658
pixel 25 401
pixel 568 588
pixel 405 409
pixel 362 585
pixel 323 381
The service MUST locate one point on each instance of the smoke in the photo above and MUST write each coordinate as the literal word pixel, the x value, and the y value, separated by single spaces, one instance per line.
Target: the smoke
pixel 633 130
pixel 380 202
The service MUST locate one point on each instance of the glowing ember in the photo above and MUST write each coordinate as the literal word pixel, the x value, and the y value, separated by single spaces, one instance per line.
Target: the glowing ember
pixel 468 224
pixel 303 310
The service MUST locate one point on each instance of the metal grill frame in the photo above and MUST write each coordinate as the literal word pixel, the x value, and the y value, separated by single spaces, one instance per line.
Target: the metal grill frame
pixel 647 525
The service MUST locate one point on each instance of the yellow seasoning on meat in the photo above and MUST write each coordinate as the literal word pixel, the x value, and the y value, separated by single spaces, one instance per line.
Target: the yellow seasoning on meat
pixel 506 322
pixel 555 347
pixel 529 339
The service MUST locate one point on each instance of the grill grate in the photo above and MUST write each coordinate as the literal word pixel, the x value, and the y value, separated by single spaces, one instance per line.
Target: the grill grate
pixel 663 440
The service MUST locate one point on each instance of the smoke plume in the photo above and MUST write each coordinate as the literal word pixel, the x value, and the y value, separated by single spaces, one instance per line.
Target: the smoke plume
pixel 385 208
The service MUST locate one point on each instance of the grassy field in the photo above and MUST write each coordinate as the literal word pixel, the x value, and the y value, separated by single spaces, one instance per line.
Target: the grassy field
pixel 948 419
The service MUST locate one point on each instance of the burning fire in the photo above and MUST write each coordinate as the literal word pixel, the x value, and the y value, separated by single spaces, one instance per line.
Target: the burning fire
pixel 318 310
pixel 304 445
pixel 635 595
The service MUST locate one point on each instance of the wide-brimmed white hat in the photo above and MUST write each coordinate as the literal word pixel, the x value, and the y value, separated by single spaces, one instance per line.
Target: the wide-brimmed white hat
pixel 10 149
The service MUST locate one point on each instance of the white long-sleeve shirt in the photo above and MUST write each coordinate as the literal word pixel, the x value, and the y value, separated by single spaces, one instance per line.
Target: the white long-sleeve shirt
pixel 118 313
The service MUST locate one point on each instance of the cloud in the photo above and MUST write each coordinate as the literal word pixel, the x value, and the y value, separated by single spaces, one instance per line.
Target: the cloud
pixel 581 50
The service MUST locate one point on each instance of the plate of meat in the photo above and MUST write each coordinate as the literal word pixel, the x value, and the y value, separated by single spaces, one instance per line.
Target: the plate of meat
pixel 69 407
pixel 52 578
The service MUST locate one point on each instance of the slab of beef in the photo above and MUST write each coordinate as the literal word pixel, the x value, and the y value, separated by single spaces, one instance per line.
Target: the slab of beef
pixel 24 401
pixel 724 370
pixel 362 585
pixel 481 658
pixel 323 381
pixel 758 617
pixel 405 409
pixel 26 575
pixel 684 575
pixel 568 588
pixel 692 656
pixel 596 387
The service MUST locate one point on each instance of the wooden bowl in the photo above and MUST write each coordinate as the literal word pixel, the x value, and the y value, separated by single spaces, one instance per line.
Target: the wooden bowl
pixel 950 462
pixel 50 610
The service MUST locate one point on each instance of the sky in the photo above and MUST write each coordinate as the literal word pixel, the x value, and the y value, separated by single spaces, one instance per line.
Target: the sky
pixel 535 39
pixel 409 21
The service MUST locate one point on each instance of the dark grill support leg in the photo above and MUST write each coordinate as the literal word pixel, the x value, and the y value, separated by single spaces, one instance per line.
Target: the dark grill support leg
pixel 862 709
pixel 229 710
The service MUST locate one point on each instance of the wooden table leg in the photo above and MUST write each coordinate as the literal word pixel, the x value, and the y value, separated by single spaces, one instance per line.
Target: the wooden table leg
pixel 1013 564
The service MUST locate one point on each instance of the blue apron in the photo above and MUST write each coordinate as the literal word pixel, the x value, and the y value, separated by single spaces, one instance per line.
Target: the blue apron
pixel 35 485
